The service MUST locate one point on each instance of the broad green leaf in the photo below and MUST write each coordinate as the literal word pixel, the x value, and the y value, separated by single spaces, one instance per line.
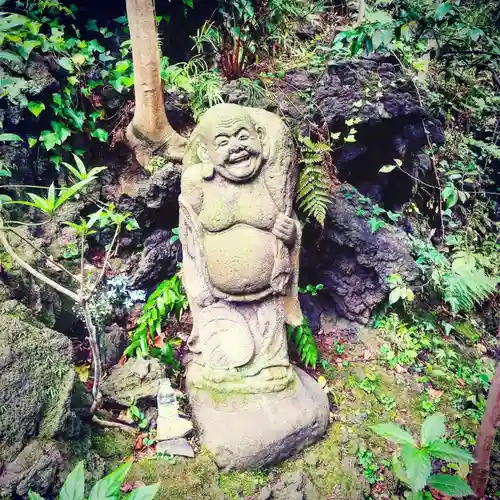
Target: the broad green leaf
pixel 417 464
pixel 108 488
pixel 453 486
pixel 399 470
pixel 73 170
pixel 4 199
pixel 143 493
pixel 433 428
pixel 36 107
pixel 450 452
pixel 393 433
pixel 9 138
pixel 80 164
pixel 62 132
pixel 34 496
pixel 74 486
pixel 67 193
pixel 443 9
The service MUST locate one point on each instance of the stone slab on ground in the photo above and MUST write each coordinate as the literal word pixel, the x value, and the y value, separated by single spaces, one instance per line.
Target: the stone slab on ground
pixel 179 447
pixel 255 430
pixel 169 424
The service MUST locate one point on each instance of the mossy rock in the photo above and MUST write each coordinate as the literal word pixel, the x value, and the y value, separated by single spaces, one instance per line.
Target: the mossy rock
pixel 187 479
pixel 112 444
pixel 237 485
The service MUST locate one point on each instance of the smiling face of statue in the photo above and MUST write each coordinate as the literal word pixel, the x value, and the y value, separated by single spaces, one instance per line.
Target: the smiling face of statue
pixel 234 148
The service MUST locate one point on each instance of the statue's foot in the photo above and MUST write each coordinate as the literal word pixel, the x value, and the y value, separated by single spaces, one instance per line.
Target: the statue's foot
pixel 246 431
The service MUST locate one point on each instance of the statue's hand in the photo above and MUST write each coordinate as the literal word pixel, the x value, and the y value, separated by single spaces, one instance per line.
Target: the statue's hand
pixel 285 229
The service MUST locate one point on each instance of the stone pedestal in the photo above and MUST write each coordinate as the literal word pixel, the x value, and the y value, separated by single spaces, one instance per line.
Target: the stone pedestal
pixel 248 431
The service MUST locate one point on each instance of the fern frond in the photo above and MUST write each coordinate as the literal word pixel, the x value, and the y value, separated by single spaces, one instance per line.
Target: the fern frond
pixel 313 190
pixel 303 338
pixel 467 287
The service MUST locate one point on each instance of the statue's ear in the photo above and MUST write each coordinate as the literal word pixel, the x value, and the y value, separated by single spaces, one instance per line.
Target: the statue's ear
pixel 264 141
pixel 207 169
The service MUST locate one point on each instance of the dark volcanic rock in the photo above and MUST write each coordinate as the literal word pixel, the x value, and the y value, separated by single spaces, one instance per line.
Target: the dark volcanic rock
pixel 353 263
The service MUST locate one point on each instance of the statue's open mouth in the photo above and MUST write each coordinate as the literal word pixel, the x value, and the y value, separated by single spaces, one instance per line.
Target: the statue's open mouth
pixel 239 157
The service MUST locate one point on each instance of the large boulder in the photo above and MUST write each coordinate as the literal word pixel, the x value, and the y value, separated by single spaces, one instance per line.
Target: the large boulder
pixel 36 381
pixel 352 262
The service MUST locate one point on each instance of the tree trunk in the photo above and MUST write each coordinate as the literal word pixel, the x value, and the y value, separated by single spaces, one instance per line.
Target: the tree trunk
pixel 478 479
pixel 150 132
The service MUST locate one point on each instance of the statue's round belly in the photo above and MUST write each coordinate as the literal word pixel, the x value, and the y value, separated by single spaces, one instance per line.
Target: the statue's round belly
pixel 240 259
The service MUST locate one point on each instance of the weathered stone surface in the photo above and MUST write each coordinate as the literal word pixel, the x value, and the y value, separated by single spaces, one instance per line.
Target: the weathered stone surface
pixel 241 243
pixel 158 259
pixel 138 379
pixel 37 467
pixel 353 263
pixel 291 486
pixel 36 380
pixel 179 447
pixel 248 431
pixel 169 424
pixel 115 341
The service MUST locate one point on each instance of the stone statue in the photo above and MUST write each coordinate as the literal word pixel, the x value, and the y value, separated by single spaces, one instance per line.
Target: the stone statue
pixel 241 243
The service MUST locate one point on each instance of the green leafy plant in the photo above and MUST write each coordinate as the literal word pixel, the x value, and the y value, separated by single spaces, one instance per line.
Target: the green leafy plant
pixel 371 470
pixel 399 291
pixel 313 192
pixel 413 466
pixel 106 488
pixel 80 171
pixel 168 299
pixel 137 415
pixel 312 289
pixel 303 338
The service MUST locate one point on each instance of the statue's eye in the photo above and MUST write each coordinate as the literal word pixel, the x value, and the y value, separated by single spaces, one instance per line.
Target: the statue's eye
pixel 243 137
pixel 221 143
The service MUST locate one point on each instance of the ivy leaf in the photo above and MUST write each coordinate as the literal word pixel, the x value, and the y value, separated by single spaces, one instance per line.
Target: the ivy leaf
pixel 61 131
pixel 32 141
pixel 36 107
pixel 65 62
pixel 78 59
pixel 417 464
pixel 100 134
pixel 49 139
pixel 74 486
pixel 453 486
pixel 450 452
pixel 121 20
pixel 443 9
pixel 393 433
pixel 92 25
pixel 375 224
pixel 9 138
pixel 433 428
pixel 450 195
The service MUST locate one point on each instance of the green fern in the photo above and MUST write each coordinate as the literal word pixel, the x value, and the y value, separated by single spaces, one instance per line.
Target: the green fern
pixel 303 338
pixel 313 194
pixel 467 287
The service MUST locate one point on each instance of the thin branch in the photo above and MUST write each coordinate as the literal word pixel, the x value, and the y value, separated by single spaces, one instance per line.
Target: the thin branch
pixel 5 242
pixel 41 252
pixel 116 425
pixel 108 254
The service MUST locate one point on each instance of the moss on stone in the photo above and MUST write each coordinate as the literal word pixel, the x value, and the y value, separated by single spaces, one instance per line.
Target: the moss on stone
pixel 112 444
pixel 236 485
pixel 187 479
pixel 467 332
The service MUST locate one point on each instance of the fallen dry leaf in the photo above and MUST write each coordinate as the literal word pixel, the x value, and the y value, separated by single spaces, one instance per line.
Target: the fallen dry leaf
pixel 434 394
pixel 367 354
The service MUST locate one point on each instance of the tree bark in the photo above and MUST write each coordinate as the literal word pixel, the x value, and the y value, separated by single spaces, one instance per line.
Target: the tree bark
pixel 478 478
pixel 150 132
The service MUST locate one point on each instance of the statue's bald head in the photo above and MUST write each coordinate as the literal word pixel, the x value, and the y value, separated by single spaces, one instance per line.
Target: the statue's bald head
pixel 230 141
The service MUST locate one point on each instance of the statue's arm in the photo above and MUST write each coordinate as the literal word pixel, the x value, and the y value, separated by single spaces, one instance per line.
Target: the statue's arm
pixel 293 313
pixel 190 202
